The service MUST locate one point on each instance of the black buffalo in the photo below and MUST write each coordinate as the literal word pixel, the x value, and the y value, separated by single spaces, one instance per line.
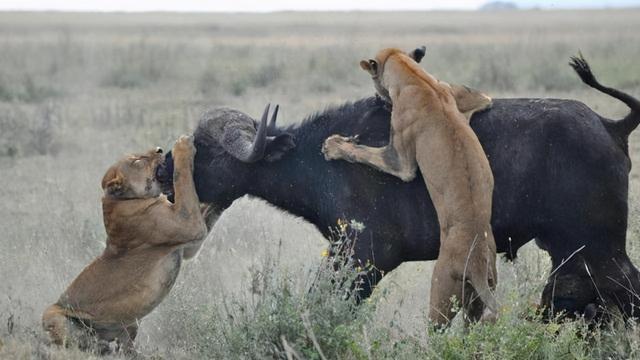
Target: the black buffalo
pixel 561 177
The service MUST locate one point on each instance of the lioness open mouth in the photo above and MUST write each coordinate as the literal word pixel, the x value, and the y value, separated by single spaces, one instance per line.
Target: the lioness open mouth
pixel 164 175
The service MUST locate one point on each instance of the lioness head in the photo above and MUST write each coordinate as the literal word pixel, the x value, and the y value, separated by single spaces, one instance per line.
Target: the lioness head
pixel 134 176
pixel 467 100
pixel 375 67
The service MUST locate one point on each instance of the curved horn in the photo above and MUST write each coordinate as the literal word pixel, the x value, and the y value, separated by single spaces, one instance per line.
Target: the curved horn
pixel 259 144
pixel 271 129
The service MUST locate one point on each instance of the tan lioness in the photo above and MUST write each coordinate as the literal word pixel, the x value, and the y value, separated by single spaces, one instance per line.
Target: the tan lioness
pixel 148 237
pixel 430 131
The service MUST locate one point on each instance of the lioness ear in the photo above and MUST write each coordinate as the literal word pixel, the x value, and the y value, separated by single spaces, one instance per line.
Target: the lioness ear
pixel 113 182
pixel 371 66
pixel 418 53
pixel 364 64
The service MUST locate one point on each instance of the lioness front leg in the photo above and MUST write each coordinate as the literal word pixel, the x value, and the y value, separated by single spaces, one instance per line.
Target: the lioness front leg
pixel 385 159
pixel 187 205
pixel 186 199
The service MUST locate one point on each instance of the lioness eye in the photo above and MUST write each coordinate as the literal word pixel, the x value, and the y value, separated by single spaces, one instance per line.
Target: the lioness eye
pixel 137 162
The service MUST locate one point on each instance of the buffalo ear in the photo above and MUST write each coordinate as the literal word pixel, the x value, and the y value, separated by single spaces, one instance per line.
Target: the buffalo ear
pixel 279 146
pixel 113 182
pixel 418 53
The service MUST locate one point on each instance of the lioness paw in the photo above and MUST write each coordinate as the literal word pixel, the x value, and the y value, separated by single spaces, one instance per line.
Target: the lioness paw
pixel 184 146
pixel 332 147
pixel 185 140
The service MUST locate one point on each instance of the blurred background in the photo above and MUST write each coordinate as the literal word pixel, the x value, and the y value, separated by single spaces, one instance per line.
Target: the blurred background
pixel 90 81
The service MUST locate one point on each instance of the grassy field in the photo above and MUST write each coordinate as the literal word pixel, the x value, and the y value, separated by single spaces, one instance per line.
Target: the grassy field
pixel 79 90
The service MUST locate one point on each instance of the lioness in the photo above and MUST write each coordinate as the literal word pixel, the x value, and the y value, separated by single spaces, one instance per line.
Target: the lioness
pixel 430 130
pixel 148 237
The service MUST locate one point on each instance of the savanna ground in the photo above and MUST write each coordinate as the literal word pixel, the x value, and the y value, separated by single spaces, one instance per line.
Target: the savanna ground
pixel 79 90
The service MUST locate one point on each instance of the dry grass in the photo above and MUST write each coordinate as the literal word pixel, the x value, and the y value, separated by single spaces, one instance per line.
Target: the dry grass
pixel 79 90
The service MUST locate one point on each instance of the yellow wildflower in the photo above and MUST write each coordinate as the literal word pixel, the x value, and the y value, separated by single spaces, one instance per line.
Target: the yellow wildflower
pixel 342 225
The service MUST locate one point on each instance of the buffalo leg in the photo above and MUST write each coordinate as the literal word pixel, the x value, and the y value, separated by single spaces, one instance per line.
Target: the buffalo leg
pixel 366 283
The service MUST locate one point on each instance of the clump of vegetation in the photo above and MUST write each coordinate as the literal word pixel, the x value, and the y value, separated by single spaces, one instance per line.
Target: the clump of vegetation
pixel 320 321
pixel 519 333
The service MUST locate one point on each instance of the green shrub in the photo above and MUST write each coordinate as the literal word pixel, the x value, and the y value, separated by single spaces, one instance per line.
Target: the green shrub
pixel 323 317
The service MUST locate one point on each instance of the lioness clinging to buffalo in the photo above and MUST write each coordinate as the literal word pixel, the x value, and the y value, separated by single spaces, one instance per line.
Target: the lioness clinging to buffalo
pixel 148 237
pixel 428 131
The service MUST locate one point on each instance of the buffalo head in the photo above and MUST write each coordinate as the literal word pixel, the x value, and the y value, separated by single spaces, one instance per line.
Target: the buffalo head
pixel 230 144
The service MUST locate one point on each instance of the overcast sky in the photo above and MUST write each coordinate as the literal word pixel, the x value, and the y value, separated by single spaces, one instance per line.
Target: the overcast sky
pixel 279 5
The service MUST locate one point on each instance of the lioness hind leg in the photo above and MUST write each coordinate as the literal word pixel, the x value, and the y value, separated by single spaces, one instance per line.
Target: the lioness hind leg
pixel 445 287
pixel 480 281
pixel 126 339
pixel 473 306
pixel 68 331
pixel 111 338
pixel 476 309
pixel 483 275
pixel 56 324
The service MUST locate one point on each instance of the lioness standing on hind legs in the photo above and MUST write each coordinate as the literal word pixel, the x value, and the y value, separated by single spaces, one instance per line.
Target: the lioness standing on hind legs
pixel 148 237
pixel 429 131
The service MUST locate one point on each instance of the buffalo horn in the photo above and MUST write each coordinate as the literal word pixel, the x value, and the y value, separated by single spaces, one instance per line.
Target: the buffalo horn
pixel 271 129
pixel 256 149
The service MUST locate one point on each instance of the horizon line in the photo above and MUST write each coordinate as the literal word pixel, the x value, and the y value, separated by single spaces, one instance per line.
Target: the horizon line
pixel 195 11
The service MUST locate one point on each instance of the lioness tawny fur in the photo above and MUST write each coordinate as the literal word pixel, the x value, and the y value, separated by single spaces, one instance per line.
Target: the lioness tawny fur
pixel 430 130
pixel 148 237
